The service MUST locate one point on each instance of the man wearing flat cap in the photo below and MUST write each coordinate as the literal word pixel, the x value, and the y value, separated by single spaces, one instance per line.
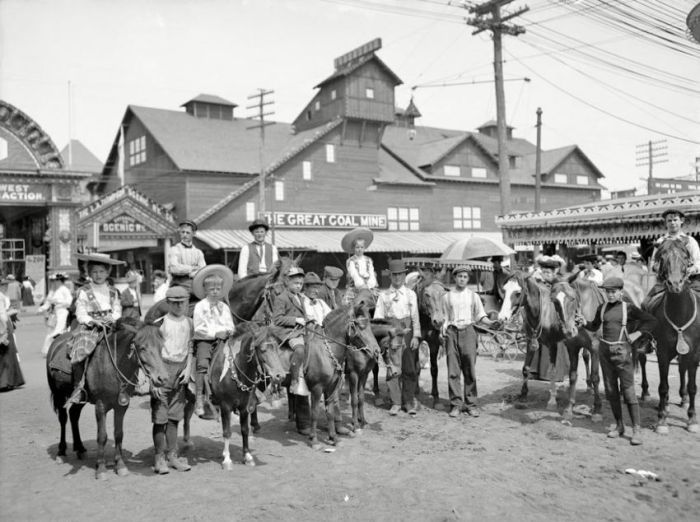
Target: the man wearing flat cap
pixel 674 219
pixel 184 259
pixel 329 289
pixel 400 303
pixel 618 319
pixel 258 256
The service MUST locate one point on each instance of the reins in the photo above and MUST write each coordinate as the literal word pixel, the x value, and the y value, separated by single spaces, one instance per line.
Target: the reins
pixel 113 357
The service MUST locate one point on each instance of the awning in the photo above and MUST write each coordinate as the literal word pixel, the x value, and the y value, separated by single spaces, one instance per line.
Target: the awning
pixel 329 240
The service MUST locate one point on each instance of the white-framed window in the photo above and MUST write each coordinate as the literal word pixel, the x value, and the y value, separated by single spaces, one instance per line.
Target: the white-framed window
pixel 582 180
pixel 334 94
pixel 137 151
pixel 317 105
pixel 561 178
pixel 478 172
pixel 249 211
pixel 452 170
pixel 306 170
pixel 330 153
pixel 369 93
pixel 466 218
pixel 403 218
pixel 279 190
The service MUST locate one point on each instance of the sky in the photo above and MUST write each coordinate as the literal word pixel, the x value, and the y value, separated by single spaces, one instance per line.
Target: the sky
pixel 75 65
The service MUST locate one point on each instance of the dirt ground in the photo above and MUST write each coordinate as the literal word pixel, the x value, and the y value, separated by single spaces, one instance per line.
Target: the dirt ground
pixel 509 464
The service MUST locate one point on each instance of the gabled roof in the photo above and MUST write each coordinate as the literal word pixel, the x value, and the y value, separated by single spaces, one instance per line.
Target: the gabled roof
pixel 80 159
pixel 210 98
pixel 492 123
pixel 356 64
pixel 393 171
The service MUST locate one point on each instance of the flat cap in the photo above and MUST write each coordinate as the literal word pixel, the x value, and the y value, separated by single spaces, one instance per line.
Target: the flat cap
pixel 177 293
pixel 613 283
pixel 459 269
pixel 311 278
pixel 332 272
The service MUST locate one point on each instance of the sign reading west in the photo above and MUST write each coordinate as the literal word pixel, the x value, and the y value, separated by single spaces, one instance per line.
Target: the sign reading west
pixel 123 225
pixel 327 220
pixel 21 192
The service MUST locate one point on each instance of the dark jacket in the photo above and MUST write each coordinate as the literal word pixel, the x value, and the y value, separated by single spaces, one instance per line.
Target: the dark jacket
pixel 326 293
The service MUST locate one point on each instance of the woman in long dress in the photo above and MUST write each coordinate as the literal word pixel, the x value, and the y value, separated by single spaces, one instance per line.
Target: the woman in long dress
pixel 56 304
pixel 27 292
pixel 10 372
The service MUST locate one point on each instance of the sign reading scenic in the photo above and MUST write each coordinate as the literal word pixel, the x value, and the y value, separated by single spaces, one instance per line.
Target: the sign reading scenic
pixel 326 220
pixel 123 225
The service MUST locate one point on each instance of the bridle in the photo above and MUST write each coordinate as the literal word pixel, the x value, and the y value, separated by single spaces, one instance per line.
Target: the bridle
pixel 133 351
pixel 535 330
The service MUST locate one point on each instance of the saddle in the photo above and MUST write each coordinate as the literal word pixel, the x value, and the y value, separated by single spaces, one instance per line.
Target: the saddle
pixel 59 358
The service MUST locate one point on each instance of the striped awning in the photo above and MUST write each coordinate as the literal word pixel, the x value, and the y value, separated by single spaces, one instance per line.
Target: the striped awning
pixel 328 241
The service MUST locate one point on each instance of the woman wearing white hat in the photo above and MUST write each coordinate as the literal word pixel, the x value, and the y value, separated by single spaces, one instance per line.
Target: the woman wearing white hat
pixel 360 267
pixel 56 304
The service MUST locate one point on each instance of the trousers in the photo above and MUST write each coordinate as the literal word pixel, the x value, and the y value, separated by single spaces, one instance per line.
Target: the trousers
pixel 461 362
pixel 618 372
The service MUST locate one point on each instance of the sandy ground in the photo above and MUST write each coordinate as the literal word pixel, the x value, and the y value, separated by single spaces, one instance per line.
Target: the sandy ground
pixel 509 464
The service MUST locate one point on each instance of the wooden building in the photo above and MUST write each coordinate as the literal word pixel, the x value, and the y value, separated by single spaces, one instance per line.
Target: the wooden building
pixel 350 158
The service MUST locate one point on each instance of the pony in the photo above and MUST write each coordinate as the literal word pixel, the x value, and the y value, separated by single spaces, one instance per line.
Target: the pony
pixel 431 315
pixel 542 312
pixel 678 327
pixel 111 375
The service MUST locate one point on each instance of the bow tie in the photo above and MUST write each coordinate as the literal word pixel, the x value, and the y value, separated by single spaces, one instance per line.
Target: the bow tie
pixel 313 301
pixel 395 296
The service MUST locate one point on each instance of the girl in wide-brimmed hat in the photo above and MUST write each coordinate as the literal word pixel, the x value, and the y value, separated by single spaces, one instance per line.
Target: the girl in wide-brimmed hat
pixel 360 267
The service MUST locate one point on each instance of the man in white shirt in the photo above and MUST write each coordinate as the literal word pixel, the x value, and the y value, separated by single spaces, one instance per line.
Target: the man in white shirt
pixel 463 309
pixel 184 259
pixel 257 257
pixel 588 272
pixel 400 303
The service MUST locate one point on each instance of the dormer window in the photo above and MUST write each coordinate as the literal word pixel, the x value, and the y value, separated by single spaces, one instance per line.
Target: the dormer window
pixel 334 94
pixel 369 93
pixel 137 151
pixel 582 180
pixel 560 178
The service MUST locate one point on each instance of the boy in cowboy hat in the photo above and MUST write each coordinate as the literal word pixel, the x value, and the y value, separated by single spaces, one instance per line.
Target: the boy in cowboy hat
pixel 97 309
pixel 463 309
pixel 168 407
pixel 400 303
pixel 360 267
pixel 257 257
pixel 212 320
pixel 184 259
pixel 329 290
pixel 674 219
pixel 617 352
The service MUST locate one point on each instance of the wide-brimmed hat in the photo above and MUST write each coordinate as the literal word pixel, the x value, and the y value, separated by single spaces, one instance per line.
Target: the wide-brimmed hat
pixel 98 258
pixel 332 272
pixel 58 276
pixel 295 271
pixel 549 262
pixel 397 266
pixel 221 270
pixel 311 278
pixel 188 222
pixel 613 283
pixel 672 211
pixel 347 243
pixel 177 294
pixel 260 222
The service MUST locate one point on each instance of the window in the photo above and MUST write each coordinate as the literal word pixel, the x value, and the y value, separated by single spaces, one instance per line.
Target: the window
pixel 512 162
pixel 560 178
pixel 582 180
pixel 308 115
pixel 478 172
pixel 137 151
pixel 279 190
pixel 330 153
pixel 452 170
pixel 317 105
pixel 249 211
pixel 369 93
pixel 466 218
pixel 333 94
pixel 306 170
pixel 402 218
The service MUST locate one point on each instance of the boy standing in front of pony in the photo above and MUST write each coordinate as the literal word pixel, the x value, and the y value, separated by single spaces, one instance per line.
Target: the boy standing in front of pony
pixel 168 406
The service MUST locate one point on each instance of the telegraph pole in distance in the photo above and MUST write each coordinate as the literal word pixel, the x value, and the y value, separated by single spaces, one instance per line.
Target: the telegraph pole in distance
pixel 649 154
pixel 260 106
pixel 495 24
pixel 538 160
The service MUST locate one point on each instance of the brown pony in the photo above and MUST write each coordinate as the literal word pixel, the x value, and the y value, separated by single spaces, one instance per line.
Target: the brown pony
pixel 111 373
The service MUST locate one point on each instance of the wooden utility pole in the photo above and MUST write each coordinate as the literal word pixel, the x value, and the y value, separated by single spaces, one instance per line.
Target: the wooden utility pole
pixel 538 160
pixel 261 114
pixel 495 24
pixel 649 154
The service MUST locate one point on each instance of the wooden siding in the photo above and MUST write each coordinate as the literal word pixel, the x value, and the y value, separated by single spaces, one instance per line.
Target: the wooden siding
pixel 466 156
pixel 379 108
pixel 206 189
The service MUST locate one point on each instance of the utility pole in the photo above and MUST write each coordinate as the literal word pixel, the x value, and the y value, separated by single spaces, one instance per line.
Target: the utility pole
pixel 538 160
pixel 495 24
pixel 649 154
pixel 261 114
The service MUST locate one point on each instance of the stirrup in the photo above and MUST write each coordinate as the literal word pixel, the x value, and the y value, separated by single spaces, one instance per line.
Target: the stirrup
pixel 79 396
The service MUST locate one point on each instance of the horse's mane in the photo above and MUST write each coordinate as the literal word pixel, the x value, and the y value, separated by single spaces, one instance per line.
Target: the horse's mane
pixel 148 334
pixel 335 318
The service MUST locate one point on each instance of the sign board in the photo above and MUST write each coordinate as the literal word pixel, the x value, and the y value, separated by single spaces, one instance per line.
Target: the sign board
pixel 23 193
pixel 123 225
pixel 327 220
pixel 35 268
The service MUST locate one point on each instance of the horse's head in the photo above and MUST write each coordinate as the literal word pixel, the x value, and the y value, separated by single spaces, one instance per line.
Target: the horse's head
pixel 566 304
pixel 353 324
pixel 148 343
pixel 430 304
pixel 674 260
pixel 264 345
pixel 514 294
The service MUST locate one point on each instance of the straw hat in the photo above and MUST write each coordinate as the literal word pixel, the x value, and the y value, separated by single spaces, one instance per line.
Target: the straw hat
pixel 221 270
pixel 357 233
pixel 98 258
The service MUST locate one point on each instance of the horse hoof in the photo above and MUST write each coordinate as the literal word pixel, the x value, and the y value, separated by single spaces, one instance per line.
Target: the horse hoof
pixel 693 428
pixel 122 471
pixel 662 429
pixel 316 446
pixel 60 459
pixel 597 418
pixel 567 414
pixel 188 445
pixel 358 431
pixel 101 475
pixel 379 402
pixel 645 397
pixel 552 406
pixel 227 465
pixel 249 461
